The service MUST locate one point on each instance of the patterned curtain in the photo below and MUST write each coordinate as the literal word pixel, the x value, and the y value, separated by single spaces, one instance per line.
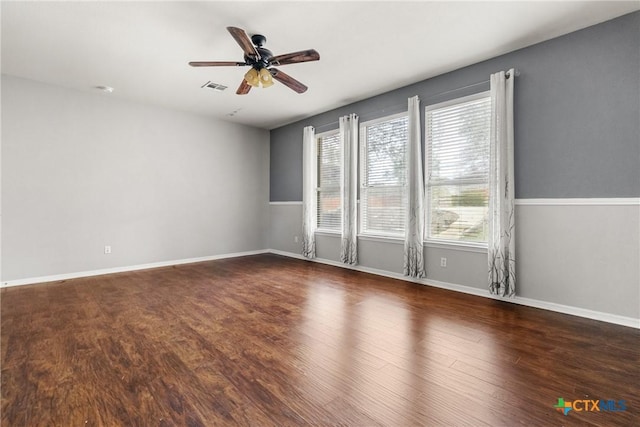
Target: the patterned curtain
pixel 349 188
pixel 309 200
pixel 501 239
pixel 413 248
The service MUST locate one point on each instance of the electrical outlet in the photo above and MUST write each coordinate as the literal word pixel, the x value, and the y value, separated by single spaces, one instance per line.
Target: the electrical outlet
pixel 443 262
pixel 295 239
pixel 107 249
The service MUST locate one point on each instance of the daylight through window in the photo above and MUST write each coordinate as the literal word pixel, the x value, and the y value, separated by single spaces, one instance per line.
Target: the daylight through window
pixel 383 177
pixel 329 203
pixel 457 164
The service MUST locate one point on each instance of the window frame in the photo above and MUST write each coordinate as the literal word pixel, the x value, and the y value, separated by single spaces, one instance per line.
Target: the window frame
pixel 319 229
pixel 362 166
pixel 429 241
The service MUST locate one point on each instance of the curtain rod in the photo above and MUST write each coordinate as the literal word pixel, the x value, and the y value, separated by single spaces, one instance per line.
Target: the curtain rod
pixel 393 107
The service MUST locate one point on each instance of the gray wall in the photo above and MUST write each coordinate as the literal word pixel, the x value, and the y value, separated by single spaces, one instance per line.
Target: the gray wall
pixel 577 130
pixel 577 106
pixel 581 256
pixel 84 170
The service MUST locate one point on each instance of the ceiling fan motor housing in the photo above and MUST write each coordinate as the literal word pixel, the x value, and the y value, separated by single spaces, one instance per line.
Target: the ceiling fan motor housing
pixel 265 54
pixel 258 40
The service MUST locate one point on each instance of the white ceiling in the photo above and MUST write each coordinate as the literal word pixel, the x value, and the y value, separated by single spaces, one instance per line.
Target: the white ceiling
pixel 366 48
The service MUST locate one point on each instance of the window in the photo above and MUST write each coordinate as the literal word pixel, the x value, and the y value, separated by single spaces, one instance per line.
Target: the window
pixel 383 178
pixel 329 166
pixel 457 162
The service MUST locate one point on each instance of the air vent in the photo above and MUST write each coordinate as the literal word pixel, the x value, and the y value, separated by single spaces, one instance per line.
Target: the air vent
pixel 214 86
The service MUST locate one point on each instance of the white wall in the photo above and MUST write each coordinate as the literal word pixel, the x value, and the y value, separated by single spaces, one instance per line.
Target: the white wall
pixel 84 170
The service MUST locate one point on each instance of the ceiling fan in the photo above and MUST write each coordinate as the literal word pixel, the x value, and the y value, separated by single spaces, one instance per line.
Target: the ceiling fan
pixel 261 61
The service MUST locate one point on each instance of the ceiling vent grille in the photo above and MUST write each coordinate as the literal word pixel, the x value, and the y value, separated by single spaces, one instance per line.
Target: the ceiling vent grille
pixel 214 86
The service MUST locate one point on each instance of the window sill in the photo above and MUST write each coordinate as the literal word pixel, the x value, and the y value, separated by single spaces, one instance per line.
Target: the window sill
pixel 367 237
pixel 383 239
pixel 328 233
pixel 456 246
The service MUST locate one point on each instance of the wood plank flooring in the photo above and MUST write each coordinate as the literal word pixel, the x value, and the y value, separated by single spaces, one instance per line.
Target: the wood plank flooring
pixel 271 341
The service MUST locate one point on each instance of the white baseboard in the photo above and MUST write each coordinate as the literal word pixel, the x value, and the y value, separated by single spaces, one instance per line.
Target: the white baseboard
pixel 68 276
pixel 577 311
pixel 559 308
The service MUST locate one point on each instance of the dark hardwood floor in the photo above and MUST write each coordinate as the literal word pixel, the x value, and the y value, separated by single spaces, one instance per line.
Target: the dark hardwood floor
pixel 271 341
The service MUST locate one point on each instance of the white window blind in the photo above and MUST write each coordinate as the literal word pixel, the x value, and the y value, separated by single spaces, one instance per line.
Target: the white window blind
pixel 329 204
pixel 457 159
pixel 383 176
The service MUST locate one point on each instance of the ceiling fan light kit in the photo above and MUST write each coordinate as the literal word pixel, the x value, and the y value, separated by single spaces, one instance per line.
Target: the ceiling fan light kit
pixel 257 78
pixel 261 61
pixel 252 77
pixel 265 78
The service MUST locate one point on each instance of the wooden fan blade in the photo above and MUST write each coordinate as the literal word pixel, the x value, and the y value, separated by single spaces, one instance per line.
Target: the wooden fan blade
pixel 216 64
pixel 295 57
pixel 288 81
pixel 244 88
pixel 244 41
